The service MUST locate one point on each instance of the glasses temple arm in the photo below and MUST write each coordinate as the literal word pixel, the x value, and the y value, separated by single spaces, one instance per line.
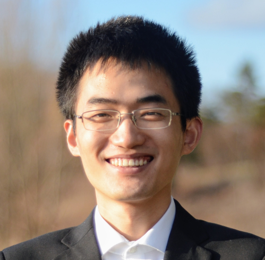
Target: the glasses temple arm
pixel 176 114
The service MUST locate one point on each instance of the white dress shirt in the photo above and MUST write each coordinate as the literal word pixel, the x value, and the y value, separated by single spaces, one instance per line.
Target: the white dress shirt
pixel 152 245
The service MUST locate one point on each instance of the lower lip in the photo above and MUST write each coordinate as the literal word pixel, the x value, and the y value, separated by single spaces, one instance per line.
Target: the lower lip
pixel 129 170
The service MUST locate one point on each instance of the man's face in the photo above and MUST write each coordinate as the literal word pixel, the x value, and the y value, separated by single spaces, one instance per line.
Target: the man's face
pixel 126 90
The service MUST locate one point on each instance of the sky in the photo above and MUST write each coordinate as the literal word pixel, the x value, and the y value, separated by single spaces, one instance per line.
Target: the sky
pixel 224 34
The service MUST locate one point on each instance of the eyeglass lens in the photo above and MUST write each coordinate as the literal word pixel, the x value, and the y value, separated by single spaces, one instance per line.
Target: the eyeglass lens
pixel 101 120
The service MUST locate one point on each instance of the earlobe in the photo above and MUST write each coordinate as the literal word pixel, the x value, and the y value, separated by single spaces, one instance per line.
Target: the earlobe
pixel 192 135
pixel 71 138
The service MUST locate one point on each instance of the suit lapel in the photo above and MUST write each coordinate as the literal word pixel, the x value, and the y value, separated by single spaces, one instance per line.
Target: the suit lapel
pixel 184 241
pixel 81 243
pixel 185 238
pixel 186 250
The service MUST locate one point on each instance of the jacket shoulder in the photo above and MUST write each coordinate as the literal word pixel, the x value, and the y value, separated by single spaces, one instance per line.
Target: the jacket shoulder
pixel 43 247
pixel 228 242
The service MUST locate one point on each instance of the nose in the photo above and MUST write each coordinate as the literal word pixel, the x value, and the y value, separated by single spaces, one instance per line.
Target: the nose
pixel 127 135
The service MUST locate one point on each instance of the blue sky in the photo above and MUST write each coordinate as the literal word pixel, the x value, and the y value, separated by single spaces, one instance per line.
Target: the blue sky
pixel 224 33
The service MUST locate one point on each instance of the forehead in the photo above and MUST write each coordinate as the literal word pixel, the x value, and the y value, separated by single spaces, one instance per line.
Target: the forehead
pixel 124 86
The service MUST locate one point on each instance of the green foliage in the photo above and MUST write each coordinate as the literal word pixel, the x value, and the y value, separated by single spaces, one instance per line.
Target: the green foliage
pixel 240 103
pixel 209 116
pixel 258 112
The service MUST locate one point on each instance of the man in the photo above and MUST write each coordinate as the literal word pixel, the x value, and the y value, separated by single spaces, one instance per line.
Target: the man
pixel 130 92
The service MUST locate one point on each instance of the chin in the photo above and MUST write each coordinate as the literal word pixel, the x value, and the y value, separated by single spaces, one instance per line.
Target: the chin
pixel 131 195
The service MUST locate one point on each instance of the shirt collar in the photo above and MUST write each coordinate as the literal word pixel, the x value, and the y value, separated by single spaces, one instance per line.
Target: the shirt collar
pixel 156 237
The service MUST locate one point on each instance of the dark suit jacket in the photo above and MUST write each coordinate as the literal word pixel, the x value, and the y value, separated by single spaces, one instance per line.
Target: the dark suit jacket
pixel 189 239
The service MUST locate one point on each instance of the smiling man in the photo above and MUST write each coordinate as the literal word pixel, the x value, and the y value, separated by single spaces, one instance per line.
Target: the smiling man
pixel 130 92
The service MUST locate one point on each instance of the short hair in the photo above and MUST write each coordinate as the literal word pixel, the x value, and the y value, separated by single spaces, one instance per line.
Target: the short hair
pixel 132 41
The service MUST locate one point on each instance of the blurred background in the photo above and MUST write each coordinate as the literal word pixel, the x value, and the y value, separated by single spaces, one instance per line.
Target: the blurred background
pixel 43 188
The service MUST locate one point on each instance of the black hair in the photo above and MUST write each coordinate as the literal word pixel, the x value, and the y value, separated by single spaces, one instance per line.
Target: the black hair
pixel 132 41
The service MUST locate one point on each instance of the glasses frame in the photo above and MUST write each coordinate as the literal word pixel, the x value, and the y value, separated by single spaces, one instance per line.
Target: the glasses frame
pixel 132 118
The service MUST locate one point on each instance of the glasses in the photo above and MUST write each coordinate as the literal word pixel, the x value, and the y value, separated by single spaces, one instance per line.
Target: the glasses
pixel 145 118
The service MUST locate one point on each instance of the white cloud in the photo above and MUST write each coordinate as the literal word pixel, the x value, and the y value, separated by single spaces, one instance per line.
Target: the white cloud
pixel 229 13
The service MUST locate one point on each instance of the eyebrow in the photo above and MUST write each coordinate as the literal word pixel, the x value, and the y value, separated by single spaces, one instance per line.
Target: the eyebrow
pixel 102 101
pixel 152 99
pixel 148 99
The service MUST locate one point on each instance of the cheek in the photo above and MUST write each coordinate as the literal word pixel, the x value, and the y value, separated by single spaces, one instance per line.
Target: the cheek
pixel 90 146
pixel 171 146
pixel 171 141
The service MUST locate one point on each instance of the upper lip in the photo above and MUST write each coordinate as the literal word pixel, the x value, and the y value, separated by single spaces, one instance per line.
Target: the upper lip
pixel 129 156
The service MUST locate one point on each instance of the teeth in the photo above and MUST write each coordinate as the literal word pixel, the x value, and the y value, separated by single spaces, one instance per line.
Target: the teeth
pixel 136 162
pixel 129 162
pixel 125 162
pixel 141 162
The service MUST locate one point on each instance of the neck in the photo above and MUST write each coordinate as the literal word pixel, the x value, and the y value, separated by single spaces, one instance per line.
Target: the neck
pixel 133 219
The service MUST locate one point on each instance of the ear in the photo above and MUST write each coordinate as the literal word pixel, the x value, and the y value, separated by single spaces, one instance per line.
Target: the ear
pixel 192 135
pixel 71 138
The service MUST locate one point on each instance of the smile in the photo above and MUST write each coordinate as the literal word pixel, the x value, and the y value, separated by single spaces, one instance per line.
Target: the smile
pixel 130 162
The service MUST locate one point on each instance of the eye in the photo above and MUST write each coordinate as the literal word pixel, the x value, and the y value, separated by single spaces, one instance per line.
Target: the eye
pixel 99 117
pixel 152 115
